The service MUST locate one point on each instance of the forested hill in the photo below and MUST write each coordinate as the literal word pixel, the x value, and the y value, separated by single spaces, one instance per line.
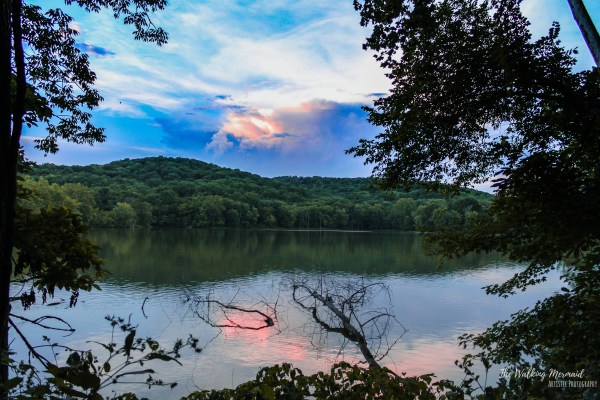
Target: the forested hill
pixel 179 192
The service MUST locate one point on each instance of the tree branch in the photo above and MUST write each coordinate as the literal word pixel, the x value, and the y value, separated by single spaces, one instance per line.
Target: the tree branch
pixel 349 331
pixel 587 28
pixel 267 320
pixel 19 106
pixel 32 349
pixel 38 322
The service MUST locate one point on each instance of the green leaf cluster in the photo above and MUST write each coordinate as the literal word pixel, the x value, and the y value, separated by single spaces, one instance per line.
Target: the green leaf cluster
pixel 87 375
pixel 344 381
pixel 475 97
pixel 50 251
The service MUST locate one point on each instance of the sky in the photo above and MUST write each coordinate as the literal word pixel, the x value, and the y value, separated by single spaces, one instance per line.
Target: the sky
pixel 273 87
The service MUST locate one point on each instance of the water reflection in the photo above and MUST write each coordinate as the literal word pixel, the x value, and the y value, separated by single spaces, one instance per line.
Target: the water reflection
pixel 167 257
pixel 435 304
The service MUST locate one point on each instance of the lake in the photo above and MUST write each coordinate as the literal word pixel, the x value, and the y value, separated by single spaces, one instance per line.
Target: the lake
pixel 155 271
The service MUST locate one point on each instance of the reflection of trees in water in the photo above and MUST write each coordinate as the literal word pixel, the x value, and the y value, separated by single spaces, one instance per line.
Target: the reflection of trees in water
pixel 176 256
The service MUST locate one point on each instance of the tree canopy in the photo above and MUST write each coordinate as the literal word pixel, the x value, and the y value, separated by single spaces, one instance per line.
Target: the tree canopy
pixel 45 79
pixel 476 98
pixel 178 192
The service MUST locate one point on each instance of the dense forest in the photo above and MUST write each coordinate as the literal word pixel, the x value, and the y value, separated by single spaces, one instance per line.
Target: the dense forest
pixel 178 192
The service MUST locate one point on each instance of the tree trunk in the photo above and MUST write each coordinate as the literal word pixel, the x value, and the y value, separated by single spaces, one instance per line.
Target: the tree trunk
pixel 7 231
pixel 587 28
pixel 7 184
pixel 10 135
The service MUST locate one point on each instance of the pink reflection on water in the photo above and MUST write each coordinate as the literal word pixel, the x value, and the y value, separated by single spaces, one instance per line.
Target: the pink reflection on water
pixel 425 357
pixel 264 344
pixel 269 346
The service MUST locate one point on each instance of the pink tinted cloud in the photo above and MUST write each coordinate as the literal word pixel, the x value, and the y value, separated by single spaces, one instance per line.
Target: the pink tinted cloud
pixel 252 126
pixel 254 129
pixel 286 127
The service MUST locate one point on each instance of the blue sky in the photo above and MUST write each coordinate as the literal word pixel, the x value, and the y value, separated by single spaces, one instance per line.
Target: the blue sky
pixel 274 87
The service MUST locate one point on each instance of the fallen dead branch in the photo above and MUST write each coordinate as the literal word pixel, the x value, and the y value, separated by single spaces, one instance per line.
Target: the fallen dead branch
pixel 345 308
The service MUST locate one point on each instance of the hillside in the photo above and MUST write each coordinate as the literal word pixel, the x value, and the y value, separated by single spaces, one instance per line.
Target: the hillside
pixel 178 192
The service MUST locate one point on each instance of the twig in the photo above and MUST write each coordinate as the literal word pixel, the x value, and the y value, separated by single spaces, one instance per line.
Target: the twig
pixel 143 304
pixel 37 322
pixel 45 362
pixel 267 320
pixel 349 331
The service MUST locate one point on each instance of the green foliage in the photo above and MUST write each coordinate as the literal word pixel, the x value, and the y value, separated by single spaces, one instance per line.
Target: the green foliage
pixel 344 381
pixel 51 254
pixel 45 79
pixel 123 215
pixel 60 81
pixel 166 192
pixel 84 375
pixel 472 94
pixel 474 97
pixel 50 250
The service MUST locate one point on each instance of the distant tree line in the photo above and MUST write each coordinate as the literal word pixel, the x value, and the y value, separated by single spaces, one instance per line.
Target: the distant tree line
pixel 167 192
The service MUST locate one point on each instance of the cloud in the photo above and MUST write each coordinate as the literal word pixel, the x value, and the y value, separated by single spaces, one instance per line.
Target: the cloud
pixel 117 107
pixel 185 133
pixel 271 86
pixel 261 54
pixel 239 80
pixel 221 127
pixel 250 129
pixel 306 126
pixel 94 50
pixel 254 129
pixel 149 150
pixel 76 27
pixel 322 59
pixel 307 139
pixel 219 143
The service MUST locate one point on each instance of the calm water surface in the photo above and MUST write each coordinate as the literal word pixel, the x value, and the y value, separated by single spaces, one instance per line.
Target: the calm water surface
pixel 154 271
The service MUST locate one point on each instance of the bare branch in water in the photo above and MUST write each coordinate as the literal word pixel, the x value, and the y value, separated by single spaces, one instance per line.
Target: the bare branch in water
pixel 220 314
pixel 342 308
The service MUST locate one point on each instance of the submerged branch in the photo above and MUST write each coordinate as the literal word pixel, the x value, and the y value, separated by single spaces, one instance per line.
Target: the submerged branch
pixel 267 320
pixel 348 330
pixel 219 314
